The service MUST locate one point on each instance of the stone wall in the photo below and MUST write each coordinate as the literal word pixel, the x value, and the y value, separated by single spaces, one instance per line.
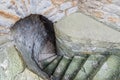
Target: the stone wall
pixel 79 34
pixel 12 10
pixel 106 11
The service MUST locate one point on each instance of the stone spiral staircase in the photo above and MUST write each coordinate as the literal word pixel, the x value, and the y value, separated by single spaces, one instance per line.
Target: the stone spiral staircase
pixel 70 63
pixel 87 67
pixel 71 40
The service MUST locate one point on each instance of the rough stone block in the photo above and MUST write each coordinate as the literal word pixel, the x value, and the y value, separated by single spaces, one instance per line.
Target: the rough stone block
pixel 79 33
pixel 65 5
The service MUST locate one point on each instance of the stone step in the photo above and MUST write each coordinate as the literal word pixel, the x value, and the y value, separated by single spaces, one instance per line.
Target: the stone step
pixel 74 66
pixel 61 68
pixel 46 62
pixel 110 70
pixel 52 66
pixel 45 56
pixel 91 67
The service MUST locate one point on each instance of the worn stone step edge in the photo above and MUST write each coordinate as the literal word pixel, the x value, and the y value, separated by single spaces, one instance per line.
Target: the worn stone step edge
pixel 91 67
pixel 46 62
pixel 61 68
pixel 51 67
pixel 74 66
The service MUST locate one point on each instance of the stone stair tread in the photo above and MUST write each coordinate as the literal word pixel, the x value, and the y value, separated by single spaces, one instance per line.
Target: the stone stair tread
pixel 74 66
pixel 46 62
pixel 61 68
pixel 51 67
pixel 45 56
pixel 91 66
pixel 110 70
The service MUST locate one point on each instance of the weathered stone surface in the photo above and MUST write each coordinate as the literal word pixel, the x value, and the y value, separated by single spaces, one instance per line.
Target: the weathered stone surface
pixel 4 31
pixel 74 66
pixel 13 10
pixel 51 67
pixel 87 67
pixel 46 62
pixel 12 66
pixel 4 39
pixel 91 67
pixel 110 69
pixel 61 68
pixel 79 33
pixel 11 63
pixel 27 75
pixel 106 11
pixel 71 10
pixel 65 5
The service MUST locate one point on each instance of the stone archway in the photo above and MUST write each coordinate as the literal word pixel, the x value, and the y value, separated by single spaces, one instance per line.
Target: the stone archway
pixel 11 11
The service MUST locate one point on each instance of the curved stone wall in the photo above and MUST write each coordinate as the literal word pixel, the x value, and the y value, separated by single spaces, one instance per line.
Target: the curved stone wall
pixel 13 10
pixel 105 11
